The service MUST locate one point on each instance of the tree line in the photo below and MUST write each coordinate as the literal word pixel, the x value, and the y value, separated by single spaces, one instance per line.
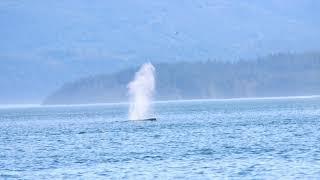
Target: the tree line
pixel 283 74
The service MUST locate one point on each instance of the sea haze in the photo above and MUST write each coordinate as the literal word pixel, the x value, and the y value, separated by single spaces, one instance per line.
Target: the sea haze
pixel 246 138
pixel 47 43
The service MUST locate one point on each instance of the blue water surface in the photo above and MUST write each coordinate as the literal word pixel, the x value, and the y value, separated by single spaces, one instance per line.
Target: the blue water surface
pixel 248 138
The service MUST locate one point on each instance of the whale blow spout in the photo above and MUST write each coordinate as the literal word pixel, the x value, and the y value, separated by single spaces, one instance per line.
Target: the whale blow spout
pixel 141 90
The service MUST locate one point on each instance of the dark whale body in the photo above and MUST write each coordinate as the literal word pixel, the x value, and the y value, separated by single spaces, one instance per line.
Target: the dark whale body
pixel 149 119
pixel 139 120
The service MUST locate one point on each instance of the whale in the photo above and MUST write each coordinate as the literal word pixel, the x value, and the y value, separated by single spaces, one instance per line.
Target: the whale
pixel 149 119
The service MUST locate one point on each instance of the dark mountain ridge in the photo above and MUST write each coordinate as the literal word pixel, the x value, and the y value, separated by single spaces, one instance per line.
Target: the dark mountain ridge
pixel 286 74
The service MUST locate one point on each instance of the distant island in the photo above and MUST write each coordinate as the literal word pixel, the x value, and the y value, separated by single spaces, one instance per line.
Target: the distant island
pixel 287 74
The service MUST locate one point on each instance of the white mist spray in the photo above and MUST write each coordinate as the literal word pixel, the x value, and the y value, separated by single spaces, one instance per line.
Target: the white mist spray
pixel 141 90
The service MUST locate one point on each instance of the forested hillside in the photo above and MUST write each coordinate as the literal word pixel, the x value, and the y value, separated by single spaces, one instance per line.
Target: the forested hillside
pixel 274 75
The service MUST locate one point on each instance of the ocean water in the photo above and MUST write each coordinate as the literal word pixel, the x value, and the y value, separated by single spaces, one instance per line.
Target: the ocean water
pixel 248 138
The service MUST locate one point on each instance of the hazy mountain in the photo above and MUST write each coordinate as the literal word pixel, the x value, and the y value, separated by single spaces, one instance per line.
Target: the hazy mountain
pixel 275 75
pixel 45 43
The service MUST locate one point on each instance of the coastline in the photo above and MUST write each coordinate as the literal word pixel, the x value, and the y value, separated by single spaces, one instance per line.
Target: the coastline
pixel 14 106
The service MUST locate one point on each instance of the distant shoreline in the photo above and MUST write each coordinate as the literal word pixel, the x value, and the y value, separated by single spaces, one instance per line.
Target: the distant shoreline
pixel 246 98
pixel 156 102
